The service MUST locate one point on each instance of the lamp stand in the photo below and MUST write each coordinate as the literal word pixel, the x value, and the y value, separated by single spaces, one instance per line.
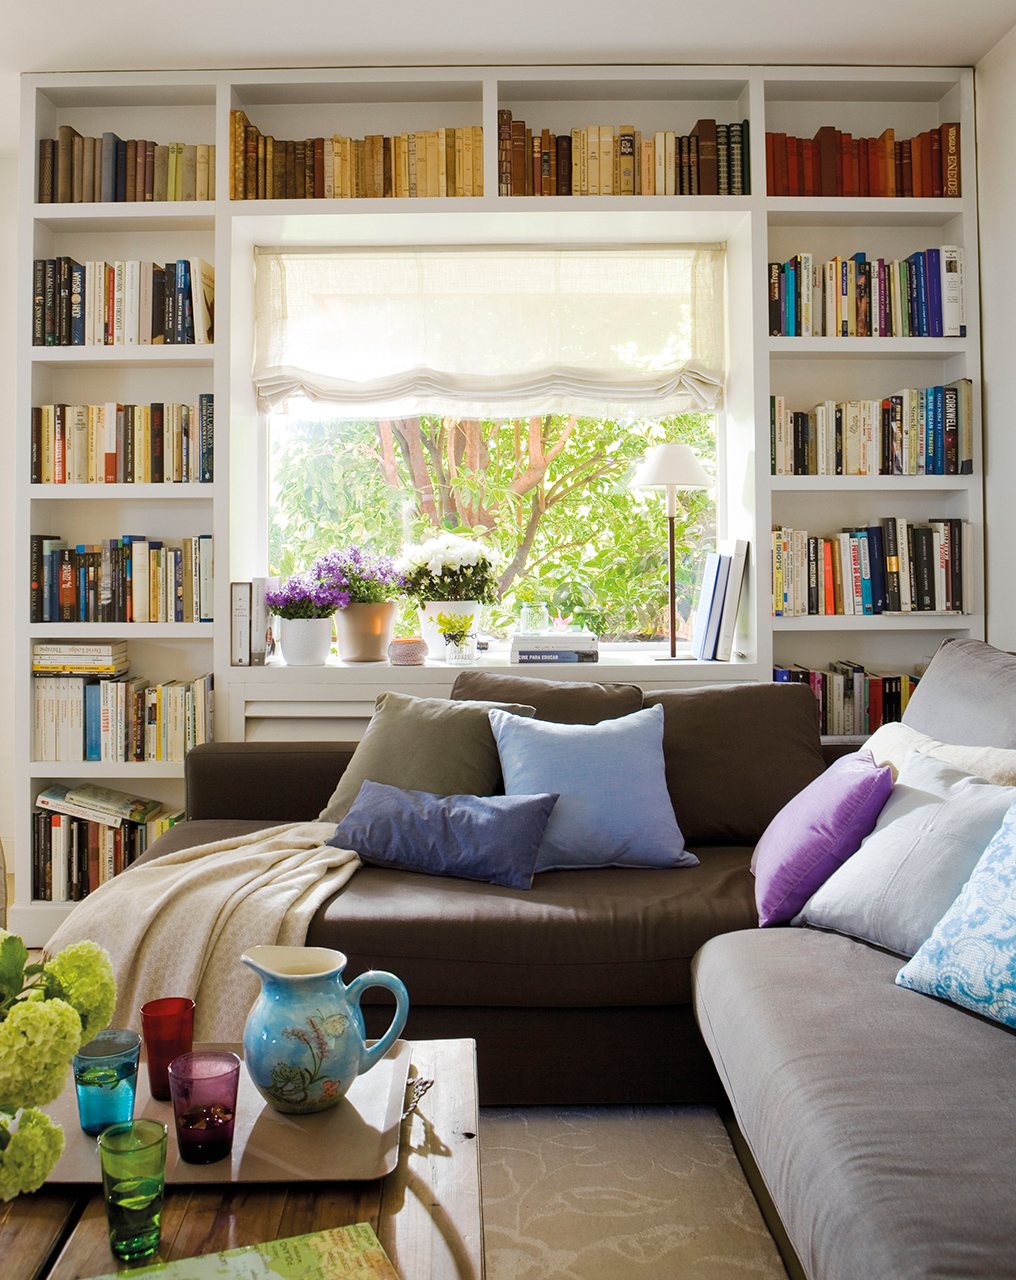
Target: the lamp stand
pixel 672 577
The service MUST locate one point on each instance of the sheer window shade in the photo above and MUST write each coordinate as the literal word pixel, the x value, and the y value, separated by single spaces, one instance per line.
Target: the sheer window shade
pixel 493 331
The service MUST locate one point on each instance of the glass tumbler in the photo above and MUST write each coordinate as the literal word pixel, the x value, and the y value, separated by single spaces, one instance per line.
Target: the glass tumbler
pixel 204 1085
pixel 168 1029
pixel 133 1159
pixel 106 1077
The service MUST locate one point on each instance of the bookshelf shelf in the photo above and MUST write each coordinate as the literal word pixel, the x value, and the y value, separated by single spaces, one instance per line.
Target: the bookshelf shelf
pixel 195 106
pixel 122 492
pixel 922 621
pixel 128 773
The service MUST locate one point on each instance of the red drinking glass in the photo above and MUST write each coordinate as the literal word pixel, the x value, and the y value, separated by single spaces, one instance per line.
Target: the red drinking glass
pixel 168 1029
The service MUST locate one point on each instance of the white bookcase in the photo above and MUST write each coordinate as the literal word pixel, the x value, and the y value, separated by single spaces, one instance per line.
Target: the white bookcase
pixel 195 106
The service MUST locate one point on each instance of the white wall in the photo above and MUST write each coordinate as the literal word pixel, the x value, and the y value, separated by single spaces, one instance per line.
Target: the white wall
pixel 9 115
pixel 996 112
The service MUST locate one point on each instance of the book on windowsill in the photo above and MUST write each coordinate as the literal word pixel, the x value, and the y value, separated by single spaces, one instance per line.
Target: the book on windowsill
pixel 353 1253
pixel 554 655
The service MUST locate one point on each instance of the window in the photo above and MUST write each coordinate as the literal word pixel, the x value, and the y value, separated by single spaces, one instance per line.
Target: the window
pixel 505 393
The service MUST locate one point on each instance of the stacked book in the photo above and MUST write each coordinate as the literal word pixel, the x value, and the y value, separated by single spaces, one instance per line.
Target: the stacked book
pixel 719 597
pixel 919 431
pixel 833 163
pixel 555 647
pixel 75 169
pixel 891 565
pixel 604 160
pixel 920 296
pixel 84 835
pixel 157 443
pixel 852 700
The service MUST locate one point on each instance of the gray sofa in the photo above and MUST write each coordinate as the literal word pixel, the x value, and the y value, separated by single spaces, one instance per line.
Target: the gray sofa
pixel 578 990
pixel 882 1123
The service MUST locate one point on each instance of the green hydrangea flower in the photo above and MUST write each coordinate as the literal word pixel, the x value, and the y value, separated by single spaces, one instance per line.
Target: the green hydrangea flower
pixel 82 975
pixel 28 1153
pixel 37 1042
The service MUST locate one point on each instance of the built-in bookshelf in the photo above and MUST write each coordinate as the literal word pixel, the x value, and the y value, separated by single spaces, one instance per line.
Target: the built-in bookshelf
pixel 199 108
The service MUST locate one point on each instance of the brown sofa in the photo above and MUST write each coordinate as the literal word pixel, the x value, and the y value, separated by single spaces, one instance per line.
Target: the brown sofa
pixel 579 990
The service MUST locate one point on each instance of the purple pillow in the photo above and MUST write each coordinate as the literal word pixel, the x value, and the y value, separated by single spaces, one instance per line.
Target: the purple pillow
pixel 817 832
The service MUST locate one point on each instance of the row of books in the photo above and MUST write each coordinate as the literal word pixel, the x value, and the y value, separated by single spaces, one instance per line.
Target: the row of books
pixel 851 700
pixel 890 565
pixel 920 296
pixel 251 639
pixel 550 647
pixel 75 169
pixel 103 304
pixel 719 596
pixel 84 835
pixel 119 719
pixel 604 160
pixel 918 431
pixel 127 579
pixel 157 443
pixel 834 163
pixel 434 162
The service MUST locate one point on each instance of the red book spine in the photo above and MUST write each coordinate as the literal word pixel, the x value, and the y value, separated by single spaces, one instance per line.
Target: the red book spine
pixel 770 167
pixel 793 167
pixel 936 162
pixel 863 170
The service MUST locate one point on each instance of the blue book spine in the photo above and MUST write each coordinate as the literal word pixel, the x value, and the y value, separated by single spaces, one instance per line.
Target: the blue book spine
pixel 546 655
pixel 915 324
pixel 716 608
pixel 933 268
pixel 120 174
pixel 792 298
pixel 705 604
pixel 93 721
pixel 876 562
pixel 923 322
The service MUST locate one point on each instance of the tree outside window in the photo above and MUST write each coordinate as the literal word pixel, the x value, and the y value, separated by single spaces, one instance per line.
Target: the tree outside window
pixel 550 492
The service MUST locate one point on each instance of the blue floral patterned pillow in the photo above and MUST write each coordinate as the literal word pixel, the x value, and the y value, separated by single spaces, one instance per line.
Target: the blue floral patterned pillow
pixel 970 958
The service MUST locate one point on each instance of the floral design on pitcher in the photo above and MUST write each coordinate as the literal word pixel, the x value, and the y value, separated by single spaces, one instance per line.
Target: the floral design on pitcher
pixel 293 1085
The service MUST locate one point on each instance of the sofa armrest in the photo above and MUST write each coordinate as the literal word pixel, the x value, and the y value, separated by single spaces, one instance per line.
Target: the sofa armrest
pixel 273 781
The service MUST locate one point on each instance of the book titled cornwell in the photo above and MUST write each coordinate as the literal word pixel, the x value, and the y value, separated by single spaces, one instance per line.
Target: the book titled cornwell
pixel 340 1253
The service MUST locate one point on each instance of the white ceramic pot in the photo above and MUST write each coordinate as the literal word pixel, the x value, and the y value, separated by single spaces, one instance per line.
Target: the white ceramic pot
pixel 467 610
pixel 306 642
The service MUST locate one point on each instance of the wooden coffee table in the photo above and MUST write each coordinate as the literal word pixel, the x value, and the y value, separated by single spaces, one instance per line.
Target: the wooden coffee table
pixel 426 1212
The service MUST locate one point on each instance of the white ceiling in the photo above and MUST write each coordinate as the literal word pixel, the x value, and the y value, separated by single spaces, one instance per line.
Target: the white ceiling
pixel 63 35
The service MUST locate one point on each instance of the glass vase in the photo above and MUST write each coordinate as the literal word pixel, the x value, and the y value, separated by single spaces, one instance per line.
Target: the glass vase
pixel 460 653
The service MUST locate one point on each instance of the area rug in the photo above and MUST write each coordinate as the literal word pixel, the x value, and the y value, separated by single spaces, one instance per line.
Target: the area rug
pixel 617 1193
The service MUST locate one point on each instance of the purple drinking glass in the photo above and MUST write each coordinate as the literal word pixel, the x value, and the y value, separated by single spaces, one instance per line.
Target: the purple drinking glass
pixel 204 1085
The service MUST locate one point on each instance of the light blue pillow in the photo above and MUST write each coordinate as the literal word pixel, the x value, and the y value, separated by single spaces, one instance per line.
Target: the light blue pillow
pixel 492 838
pixel 614 808
pixel 970 958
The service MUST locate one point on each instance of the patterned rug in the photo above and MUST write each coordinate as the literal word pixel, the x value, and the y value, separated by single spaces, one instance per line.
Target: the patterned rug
pixel 617 1193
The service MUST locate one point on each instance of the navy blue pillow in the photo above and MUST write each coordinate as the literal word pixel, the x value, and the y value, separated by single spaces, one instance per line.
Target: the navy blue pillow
pixel 491 838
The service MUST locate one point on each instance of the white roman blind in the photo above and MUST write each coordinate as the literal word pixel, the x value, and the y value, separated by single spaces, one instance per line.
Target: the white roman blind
pixel 476 332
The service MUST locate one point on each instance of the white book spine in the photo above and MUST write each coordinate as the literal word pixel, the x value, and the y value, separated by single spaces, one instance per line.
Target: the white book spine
pixel 951 273
pixel 240 624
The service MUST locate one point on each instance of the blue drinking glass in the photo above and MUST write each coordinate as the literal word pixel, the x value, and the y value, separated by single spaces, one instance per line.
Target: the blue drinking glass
pixel 105 1077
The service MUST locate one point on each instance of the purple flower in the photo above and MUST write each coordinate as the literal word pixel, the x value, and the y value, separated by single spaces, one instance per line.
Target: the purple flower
pixel 303 596
pixel 365 577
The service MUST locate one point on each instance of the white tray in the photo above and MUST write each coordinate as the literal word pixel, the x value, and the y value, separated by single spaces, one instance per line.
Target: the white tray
pixel 356 1140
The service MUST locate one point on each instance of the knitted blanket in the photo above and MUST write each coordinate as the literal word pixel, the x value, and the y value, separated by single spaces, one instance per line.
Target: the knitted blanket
pixel 178 925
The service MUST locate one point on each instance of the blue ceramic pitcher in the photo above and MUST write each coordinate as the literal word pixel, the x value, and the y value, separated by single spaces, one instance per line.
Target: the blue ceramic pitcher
pixel 303 1041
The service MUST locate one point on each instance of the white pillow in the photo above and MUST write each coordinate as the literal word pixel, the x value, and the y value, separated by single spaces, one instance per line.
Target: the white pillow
pixel 891 744
pixel 906 874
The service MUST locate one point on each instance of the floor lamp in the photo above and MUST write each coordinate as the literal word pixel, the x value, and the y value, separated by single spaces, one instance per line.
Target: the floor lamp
pixel 670 466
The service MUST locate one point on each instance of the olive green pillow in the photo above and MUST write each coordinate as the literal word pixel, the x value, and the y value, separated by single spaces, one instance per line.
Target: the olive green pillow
pixel 424 744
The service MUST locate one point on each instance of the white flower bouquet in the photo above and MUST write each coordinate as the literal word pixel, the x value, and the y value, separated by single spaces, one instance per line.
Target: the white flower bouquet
pixel 450 567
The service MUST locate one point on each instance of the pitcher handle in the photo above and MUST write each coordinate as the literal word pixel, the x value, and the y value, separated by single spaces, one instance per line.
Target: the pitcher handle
pixel 378 978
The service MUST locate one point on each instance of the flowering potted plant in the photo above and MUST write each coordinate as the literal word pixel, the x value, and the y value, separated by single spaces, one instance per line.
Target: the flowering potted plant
pixel 371 583
pixel 449 575
pixel 47 1012
pixel 306 607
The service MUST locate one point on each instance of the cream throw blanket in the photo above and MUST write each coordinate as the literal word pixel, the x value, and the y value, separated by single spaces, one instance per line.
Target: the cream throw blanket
pixel 178 925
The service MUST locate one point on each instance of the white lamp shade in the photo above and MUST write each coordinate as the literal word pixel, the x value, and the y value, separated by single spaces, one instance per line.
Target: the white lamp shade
pixel 670 464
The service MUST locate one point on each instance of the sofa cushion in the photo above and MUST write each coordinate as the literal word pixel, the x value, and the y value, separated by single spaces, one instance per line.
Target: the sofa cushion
pixel 735 755
pixel 423 744
pixel 884 1126
pixel 605 815
pixel 928 838
pixel 592 938
pixel 967 696
pixel 892 743
pixel 817 832
pixel 491 838
pixel 970 957
pixel 563 701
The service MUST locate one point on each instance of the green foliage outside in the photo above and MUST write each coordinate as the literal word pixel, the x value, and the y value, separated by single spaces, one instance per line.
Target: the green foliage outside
pixel 550 493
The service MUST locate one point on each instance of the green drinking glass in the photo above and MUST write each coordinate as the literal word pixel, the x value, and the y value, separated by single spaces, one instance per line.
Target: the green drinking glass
pixel 133 1158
